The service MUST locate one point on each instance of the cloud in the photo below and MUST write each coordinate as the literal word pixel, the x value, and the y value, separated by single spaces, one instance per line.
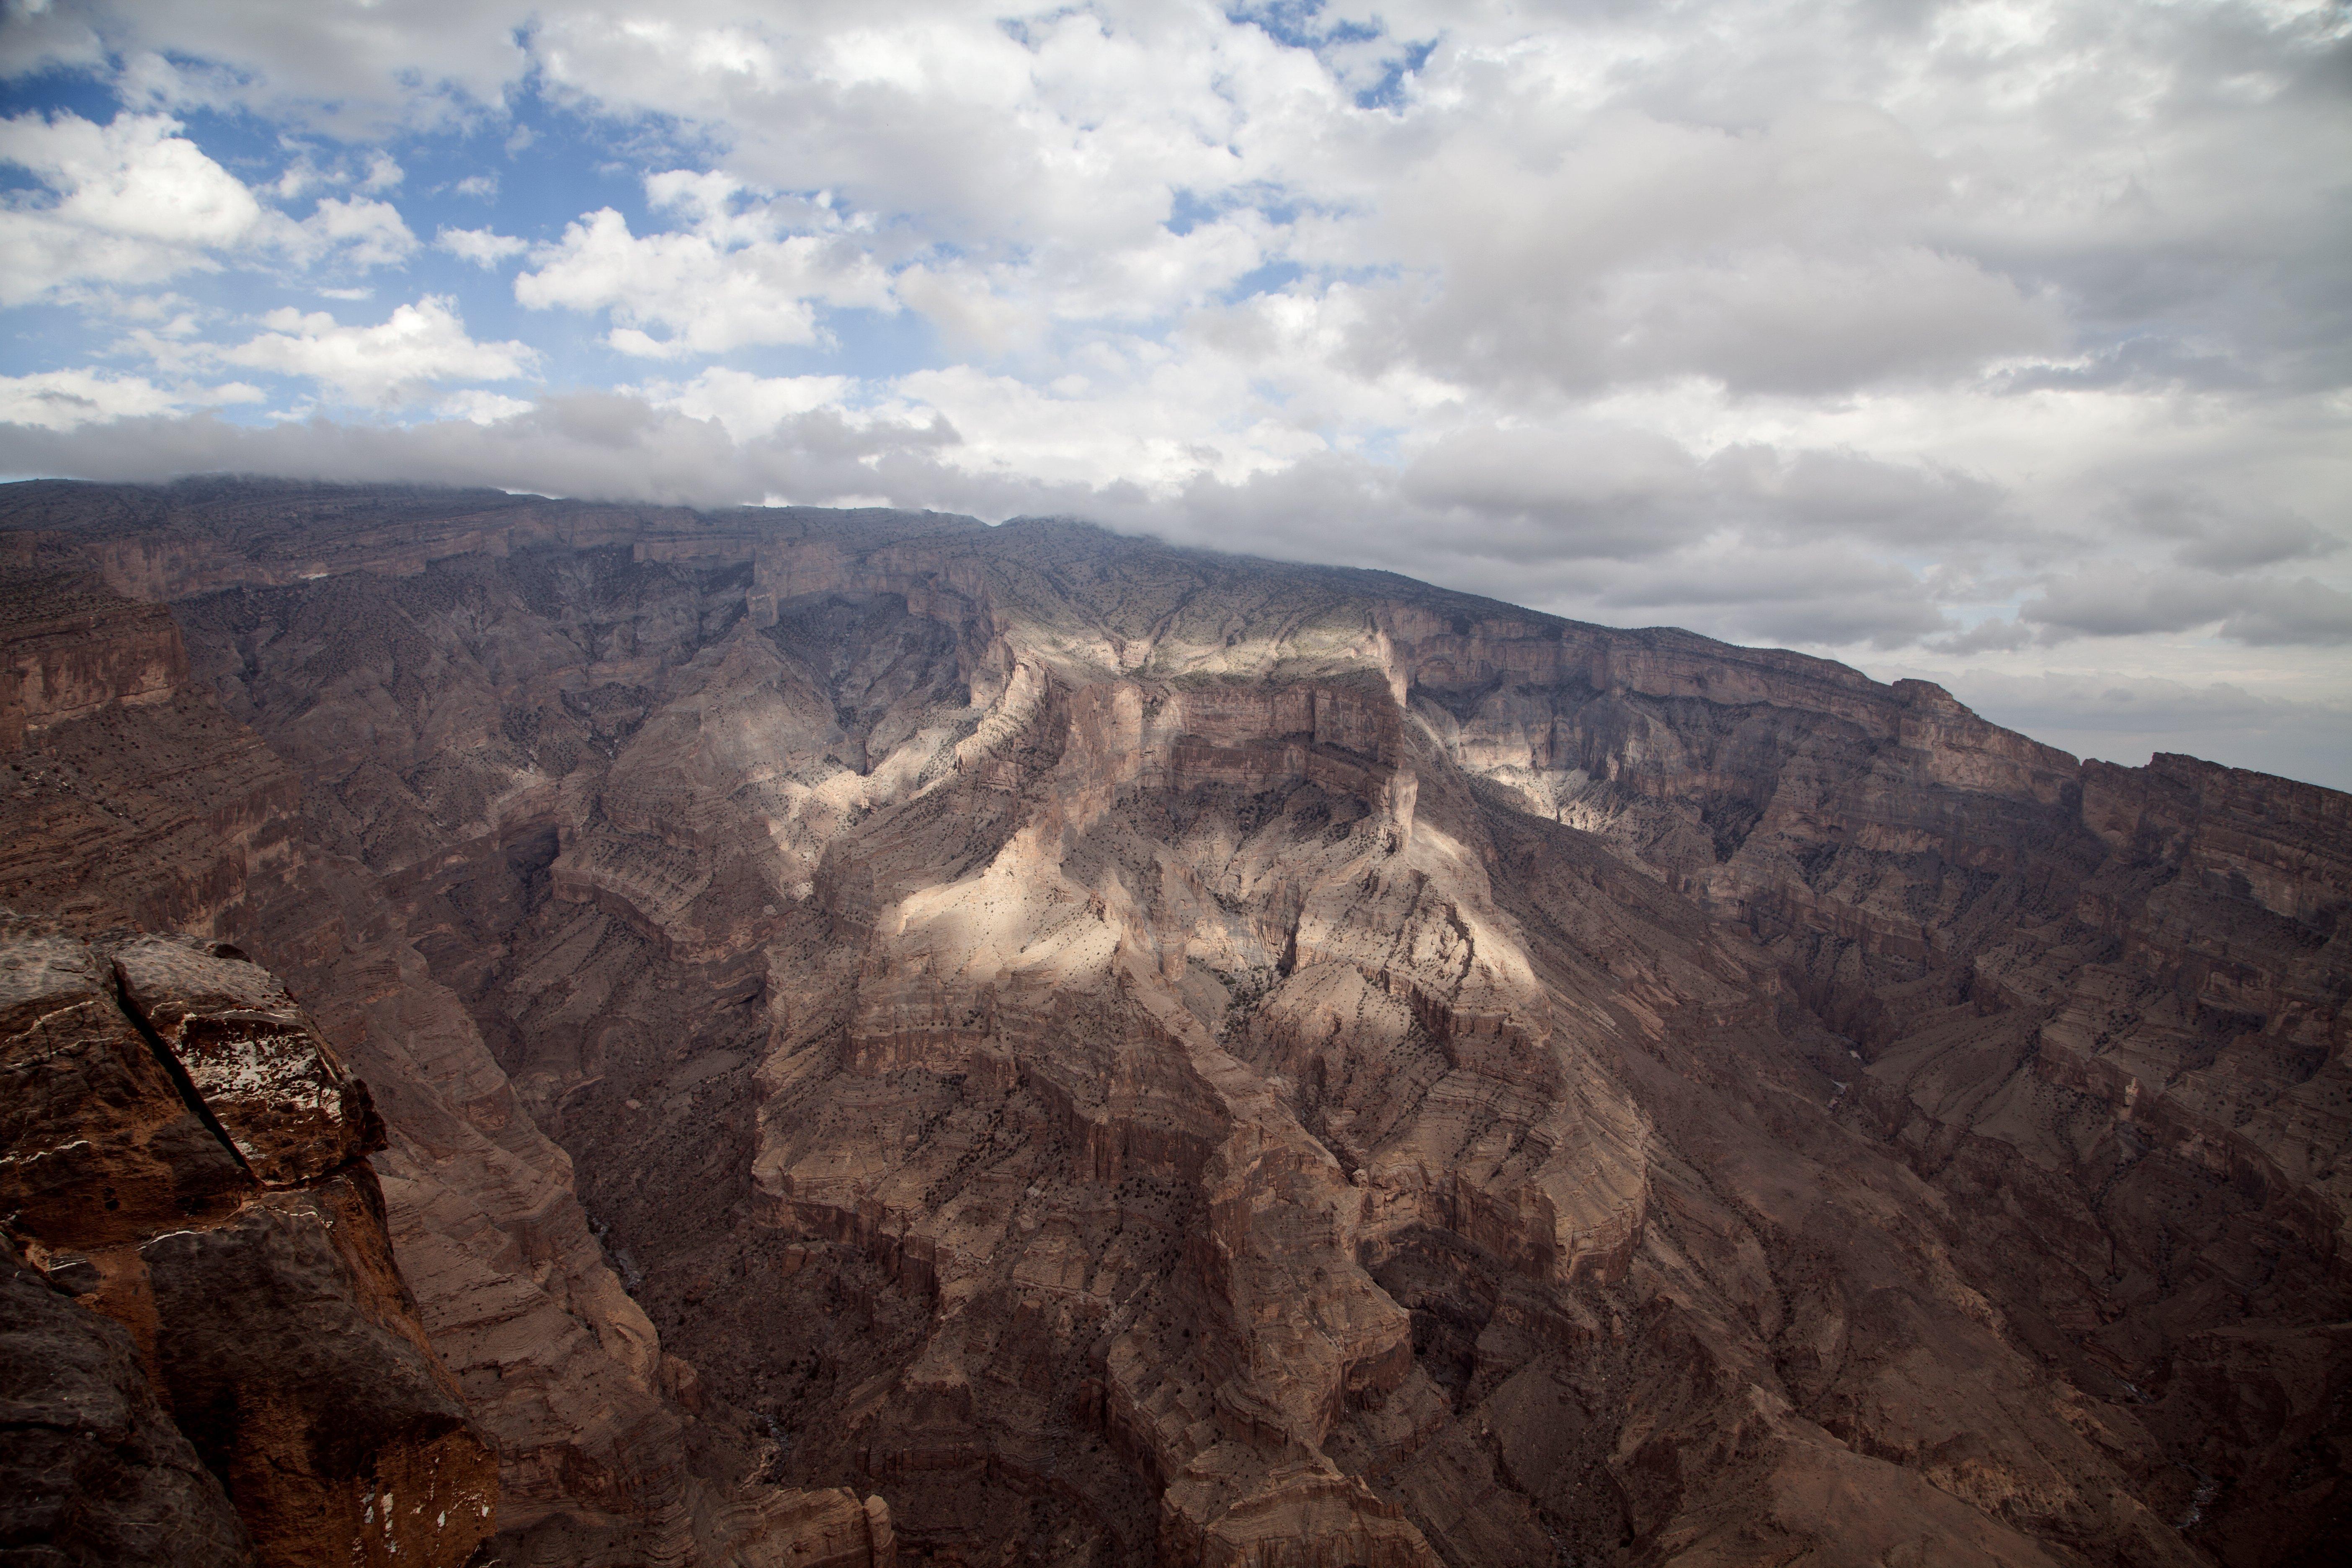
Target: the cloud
pixel 2260 611
pixel 731 279
pixel 479 246
pixel 416 345
pixel 2109 603
pixel 134 201
pixel 354 72
pixel 1818 597
pixel 355 230
pixel 67 399
pixel 481 406
pixel 2218 537
pixel 1581 248
pixel 2296 612
pixel 1808 493
pixel 591 444
pixel 1576 493
pixel 748 406
pixel 129 202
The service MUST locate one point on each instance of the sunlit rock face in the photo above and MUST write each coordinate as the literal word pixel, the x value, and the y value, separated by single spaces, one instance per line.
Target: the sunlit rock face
pixel 1116 1055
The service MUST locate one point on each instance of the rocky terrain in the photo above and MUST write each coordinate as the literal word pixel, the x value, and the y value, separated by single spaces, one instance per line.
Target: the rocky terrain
pixel 1022 1045
pixel 186 1157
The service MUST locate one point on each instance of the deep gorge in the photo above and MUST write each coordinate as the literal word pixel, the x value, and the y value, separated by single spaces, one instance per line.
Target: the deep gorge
pixel 1128 1055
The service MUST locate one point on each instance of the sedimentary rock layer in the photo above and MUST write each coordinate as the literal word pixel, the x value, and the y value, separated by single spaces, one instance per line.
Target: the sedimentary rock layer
pixel 553 1359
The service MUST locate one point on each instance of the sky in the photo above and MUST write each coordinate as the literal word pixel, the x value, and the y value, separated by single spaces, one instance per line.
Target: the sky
pixel 1999 343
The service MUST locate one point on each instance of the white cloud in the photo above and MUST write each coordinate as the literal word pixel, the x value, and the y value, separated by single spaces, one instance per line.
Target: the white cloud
pixel 67 399
pixel 390 362
pixel 480 407
pixel 127 201
pixel 479 246
pixel 733 279
pixel 354 230
pixel 748 406
pixel 134 201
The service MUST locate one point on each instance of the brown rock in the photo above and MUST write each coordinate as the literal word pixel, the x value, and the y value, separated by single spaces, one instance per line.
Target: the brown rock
pixel 171 813
pixel 302 1378
pixel 275 1322
pixel 282 1100
pixel 1134 1055
pixel 75 647
pixel 99 1145
pixel 91 1468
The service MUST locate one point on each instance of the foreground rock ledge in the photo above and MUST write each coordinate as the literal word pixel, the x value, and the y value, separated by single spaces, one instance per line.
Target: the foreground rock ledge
pixel 182 1154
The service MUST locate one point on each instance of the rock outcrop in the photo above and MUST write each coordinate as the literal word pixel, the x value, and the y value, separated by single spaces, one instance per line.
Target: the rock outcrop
pixel 1115 1054
pixel 186 1155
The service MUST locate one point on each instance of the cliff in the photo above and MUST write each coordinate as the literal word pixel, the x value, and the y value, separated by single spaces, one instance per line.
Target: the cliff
pixel 1131 1055
pixel 184 1154
pixel 143 805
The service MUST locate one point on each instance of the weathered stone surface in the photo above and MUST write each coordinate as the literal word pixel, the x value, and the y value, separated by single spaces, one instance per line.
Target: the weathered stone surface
pixel 282 1100
pixel 274 1322
pixel 1131 1054
pixel 303 1378
pixel 92 1471
pixel 75 647
pixel 98 1144
pixel 171 812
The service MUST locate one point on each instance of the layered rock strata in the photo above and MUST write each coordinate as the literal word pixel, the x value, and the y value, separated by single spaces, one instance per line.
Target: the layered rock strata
pixel 1131 1055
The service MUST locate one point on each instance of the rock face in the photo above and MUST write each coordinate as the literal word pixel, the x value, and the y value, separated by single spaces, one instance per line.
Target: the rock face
pixel 241 1242
pixel 285 1105
pixel 158 809
pixel 1116 1055
pixel 91 1468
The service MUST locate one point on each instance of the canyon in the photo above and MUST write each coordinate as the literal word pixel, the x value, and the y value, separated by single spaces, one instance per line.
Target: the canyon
pixel 782 1035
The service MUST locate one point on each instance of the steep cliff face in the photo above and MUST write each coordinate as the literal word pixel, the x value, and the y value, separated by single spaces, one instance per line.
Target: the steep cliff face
pixel 1132 1055
pixel 144 807
pixel 91 1468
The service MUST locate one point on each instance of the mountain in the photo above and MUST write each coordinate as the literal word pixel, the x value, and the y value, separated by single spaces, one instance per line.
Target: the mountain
pixel 1128 1055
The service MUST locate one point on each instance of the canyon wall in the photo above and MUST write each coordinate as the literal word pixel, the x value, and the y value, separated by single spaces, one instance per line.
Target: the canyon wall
pixel 1128 1055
